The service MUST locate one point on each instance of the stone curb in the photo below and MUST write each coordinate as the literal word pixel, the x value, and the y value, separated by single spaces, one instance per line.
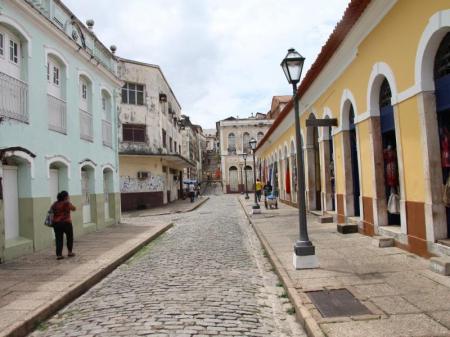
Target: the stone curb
pixel 26 326
pixel 311 326
pixel 177 212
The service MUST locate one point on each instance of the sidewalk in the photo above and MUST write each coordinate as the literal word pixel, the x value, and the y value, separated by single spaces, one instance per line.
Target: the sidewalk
pixel 35 286
pixel 178 206
pixel 404 297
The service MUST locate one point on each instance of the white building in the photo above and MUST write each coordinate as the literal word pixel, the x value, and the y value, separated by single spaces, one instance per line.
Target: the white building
pixel 150 149
pixel 234 137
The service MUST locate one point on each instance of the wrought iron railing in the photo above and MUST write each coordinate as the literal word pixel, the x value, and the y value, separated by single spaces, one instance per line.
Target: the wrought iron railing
pixel 57 114
pixel 107 133
pixel 13 98
pixel 86 126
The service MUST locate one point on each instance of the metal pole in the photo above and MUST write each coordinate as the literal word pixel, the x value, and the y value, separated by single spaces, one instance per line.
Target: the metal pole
pixel 245 170
pixel 303 246
pixel 256 205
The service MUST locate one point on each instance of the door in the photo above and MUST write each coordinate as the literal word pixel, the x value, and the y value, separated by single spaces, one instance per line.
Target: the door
pixel 234 183
pixel 11 202
pixel 85 197
pixel 106 196
pixel 53 184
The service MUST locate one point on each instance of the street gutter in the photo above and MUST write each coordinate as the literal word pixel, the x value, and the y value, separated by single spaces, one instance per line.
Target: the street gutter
pixel 310 325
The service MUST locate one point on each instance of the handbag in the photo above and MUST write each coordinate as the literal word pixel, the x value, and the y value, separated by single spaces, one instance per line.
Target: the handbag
pixel 393 205
pixel 49 218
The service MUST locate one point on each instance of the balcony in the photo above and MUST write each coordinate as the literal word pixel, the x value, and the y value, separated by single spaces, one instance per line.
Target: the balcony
pixel 86 126
pixel 107 133
pixel 57 114
pixel 13 98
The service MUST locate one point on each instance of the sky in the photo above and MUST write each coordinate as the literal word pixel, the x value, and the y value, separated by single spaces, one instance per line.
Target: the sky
pixel 221 57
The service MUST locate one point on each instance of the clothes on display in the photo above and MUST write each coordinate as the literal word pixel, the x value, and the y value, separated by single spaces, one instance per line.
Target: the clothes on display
pixel 390 160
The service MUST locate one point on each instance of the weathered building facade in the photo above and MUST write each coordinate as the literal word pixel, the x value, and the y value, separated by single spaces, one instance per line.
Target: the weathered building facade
pixel 384 74
pixel 58 111
pixel 234 137
pixel 150 140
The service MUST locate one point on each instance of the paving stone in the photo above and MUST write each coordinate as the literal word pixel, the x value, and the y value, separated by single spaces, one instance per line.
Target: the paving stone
pixel 207 276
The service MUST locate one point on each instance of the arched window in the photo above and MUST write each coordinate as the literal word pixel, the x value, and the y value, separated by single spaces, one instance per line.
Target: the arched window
pixel 85 101
pixel 107 119
pixel 56 94
pixel 231 143
pixel 259 136
pixel 245 143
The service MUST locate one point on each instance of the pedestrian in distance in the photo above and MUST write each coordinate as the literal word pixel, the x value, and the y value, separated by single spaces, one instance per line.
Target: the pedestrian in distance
pixel 258 187
pixel 191 191
pixel 62 224
pixel 267 189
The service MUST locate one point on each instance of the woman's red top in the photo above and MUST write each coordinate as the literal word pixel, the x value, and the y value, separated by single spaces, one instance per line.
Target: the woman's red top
pixel 61 211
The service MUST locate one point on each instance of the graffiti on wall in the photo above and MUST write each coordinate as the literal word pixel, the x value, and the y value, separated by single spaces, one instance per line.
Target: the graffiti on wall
pixel 134 185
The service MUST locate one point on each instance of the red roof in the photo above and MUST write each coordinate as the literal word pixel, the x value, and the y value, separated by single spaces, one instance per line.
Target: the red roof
pixel 351 15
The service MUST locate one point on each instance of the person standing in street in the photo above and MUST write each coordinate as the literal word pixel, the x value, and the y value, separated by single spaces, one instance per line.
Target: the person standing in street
pixel 62 224
pixel 192 191
pixel 259 187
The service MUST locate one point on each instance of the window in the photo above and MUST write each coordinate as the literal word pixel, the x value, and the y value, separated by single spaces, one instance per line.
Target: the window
pixel 133 133
pixel 164 136
pixel 84 91
pixel 103 103
pixel 231 142
pixel 170 144
pixel 13 51
pixel 48 71
pixel 133 93
pixel 179 149
pixel 1 44
pixel 175 146
pixel 55 75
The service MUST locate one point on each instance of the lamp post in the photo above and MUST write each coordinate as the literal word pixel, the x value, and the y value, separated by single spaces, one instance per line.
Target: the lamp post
pixel 244 155
pixel 304 251
pixel 255 208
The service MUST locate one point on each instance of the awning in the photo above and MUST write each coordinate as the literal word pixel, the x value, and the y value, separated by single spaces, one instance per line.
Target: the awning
pixel 173 160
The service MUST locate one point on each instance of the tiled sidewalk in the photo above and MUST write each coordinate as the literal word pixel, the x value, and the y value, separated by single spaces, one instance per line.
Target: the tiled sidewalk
pixel 406 298
pixel 34 286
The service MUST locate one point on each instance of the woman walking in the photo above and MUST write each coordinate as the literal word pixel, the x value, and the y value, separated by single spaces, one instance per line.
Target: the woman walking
pixel 62 224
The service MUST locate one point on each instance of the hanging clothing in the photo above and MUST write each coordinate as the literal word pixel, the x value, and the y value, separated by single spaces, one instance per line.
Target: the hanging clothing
pixel 445 150
pixel 288 181
pixel 393 205
pixel 390 160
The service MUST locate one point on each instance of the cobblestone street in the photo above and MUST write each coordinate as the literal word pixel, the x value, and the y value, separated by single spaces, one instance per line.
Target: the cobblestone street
pixel 206 276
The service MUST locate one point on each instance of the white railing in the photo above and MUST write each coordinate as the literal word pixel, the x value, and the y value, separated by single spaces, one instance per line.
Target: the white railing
pixel 107 133
pixel 86 126
pixel 13 98
pixel 57 114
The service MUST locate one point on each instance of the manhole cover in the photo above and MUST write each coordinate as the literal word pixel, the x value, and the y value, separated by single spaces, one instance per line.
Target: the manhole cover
pixel 337 302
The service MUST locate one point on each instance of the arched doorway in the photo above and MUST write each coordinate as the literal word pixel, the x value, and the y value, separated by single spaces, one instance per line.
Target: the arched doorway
pixel 87 191
pixel 108 195
pixel 351 164
pixel 293 173
pixel 389 145
pixel 328 169
pixel 442 90
pixel 233 179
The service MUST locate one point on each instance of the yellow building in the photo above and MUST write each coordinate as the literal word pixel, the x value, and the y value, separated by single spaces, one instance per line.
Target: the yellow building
pixel 384 74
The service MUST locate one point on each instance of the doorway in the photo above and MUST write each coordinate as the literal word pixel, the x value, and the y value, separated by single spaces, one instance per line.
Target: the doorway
pixel 11 201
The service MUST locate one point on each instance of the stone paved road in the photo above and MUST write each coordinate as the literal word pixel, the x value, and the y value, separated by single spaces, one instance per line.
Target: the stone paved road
pixel 207 276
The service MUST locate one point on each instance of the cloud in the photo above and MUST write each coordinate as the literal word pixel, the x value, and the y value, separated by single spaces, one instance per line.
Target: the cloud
pixel 221 57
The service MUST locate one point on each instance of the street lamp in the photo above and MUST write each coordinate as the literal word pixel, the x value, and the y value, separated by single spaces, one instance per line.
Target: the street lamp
pixel 244 155
pixel 304 251
pixel 255 208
